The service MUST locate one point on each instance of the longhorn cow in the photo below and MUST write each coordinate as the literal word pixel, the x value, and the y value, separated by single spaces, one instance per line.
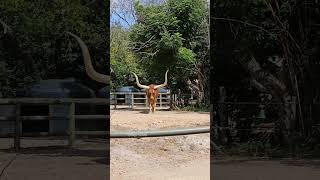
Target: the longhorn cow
pixel 152 91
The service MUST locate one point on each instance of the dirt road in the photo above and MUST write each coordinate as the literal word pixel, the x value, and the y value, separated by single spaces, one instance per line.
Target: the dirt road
pixel 267 169
pixel 160 158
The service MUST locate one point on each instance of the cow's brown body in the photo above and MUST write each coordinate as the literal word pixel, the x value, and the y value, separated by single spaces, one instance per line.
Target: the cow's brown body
pixel 152 95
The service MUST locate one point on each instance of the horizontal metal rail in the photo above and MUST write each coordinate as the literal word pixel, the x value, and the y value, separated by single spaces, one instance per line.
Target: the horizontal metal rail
pixel 159 133
pixel 136 134
pixel 148 133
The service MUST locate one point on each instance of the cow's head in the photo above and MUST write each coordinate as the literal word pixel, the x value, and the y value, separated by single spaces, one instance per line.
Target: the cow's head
pixel 152 91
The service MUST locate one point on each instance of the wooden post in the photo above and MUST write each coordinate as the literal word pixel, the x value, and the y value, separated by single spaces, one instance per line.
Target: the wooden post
pixel 115 101
pixel 17 127
pixel 160 100
pixel 132 100
pixel 72 129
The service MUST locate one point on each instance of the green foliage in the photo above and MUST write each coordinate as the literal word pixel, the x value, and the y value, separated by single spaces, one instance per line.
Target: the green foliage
pixel 41 49
pixel 166 36
pixel 170 41
pixel 122 60
pixel 185 56
pixel 189 13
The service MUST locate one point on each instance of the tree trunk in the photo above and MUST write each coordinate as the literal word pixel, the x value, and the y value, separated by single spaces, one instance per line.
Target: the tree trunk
pixel 287 116
pixel 280 93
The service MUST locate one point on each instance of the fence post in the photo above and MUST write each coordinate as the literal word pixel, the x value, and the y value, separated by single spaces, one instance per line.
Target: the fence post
pixel 146 100
pixel 17 127
pixel 160 100
pixel 72 128
pixel 132 100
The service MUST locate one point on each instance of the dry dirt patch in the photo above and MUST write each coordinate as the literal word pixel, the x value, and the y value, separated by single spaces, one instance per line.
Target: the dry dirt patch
pixel 140 120
pixel 175 157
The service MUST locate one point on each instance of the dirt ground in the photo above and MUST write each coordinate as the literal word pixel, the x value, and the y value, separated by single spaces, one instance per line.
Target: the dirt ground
pixel 187 157
pixel 174 157
pixel 50 159
pixel 266 170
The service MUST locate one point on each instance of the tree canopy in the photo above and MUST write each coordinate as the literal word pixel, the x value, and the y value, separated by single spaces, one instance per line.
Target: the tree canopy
pixel 38 48
pixel 170 36
pixel 166 35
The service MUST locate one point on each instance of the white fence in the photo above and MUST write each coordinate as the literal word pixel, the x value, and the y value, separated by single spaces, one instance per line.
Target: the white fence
pixel 133 99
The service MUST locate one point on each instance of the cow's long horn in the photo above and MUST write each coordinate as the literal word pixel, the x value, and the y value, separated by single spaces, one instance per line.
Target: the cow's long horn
pixel 102 78
pixel 165 81
pixel 138 83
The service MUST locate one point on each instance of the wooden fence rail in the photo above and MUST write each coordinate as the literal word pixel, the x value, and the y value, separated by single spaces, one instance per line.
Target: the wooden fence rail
pixel 53 101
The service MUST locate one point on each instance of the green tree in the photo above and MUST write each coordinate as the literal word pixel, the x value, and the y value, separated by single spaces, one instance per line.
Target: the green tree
pixel 38 47
pixel 122 60
pixel 172 35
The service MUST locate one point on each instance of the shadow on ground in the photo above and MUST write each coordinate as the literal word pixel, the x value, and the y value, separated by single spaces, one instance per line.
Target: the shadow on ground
pixel 303 163
pixel 98 152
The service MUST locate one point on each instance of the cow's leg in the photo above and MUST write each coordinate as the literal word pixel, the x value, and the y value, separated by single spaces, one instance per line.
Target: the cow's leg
pixel 154 107
pixel 150 108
